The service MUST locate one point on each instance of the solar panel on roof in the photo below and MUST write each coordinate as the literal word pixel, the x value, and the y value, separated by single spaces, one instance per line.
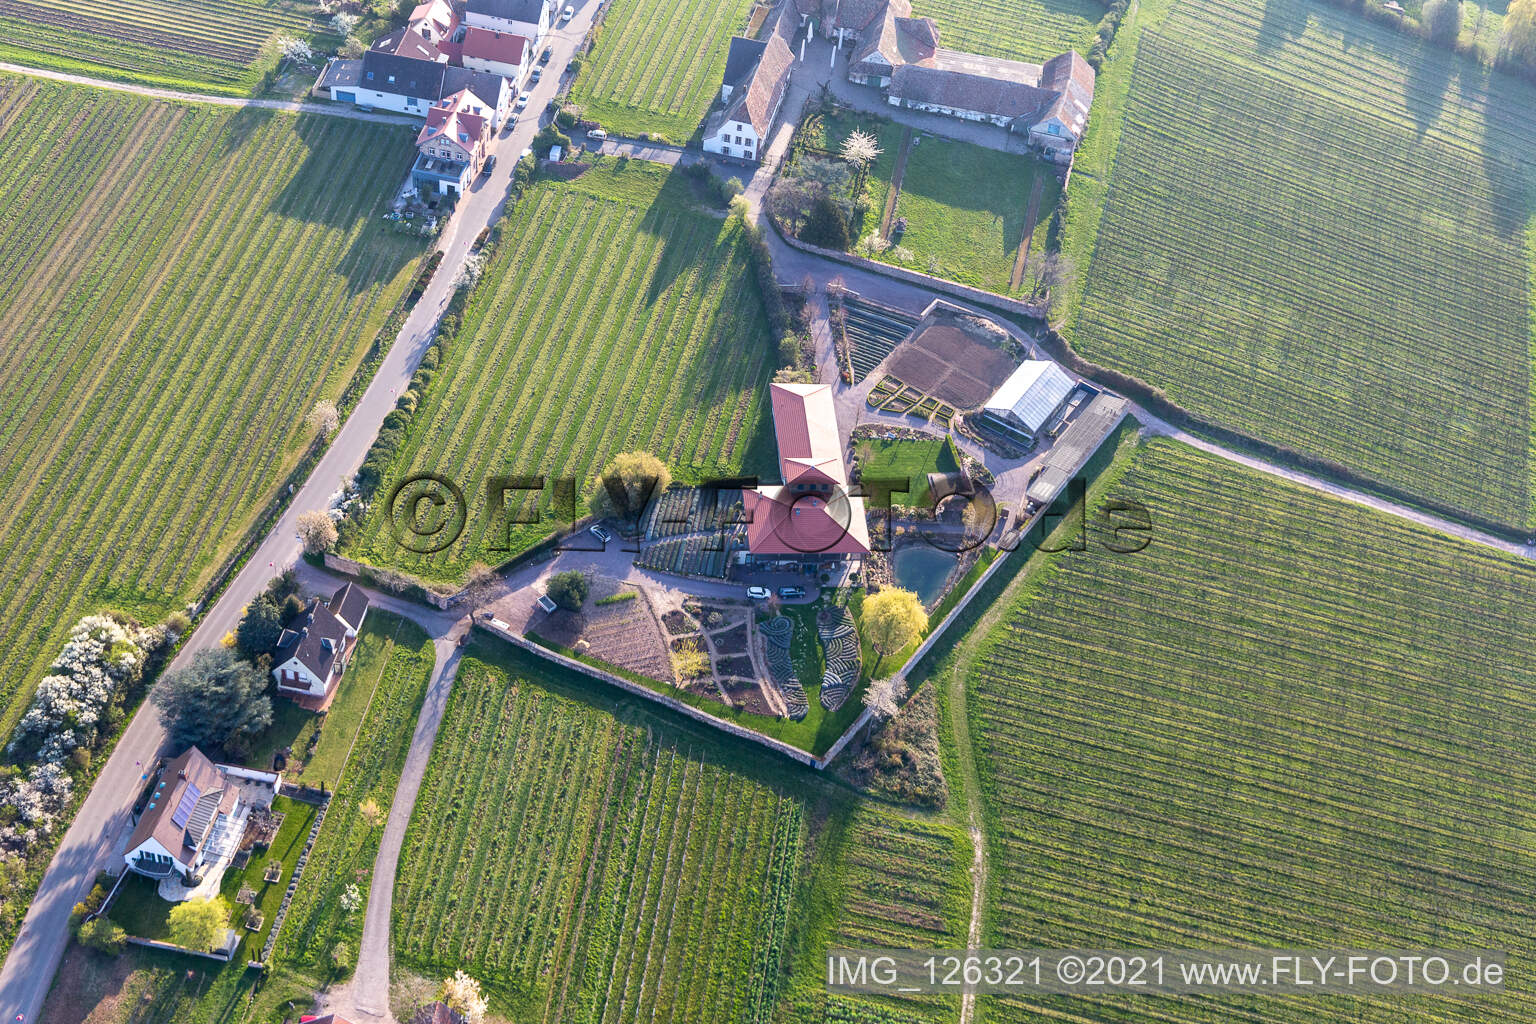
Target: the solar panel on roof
pixel 185 804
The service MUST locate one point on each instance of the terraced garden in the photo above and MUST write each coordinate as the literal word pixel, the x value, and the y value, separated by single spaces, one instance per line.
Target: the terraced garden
pixel 593 867
pixel 1288 722
pixel 656 67
pixel 179 284
pixel 209 45
pixel 1361 294
pixel 1028 30
pixel 393 682
pixel 597 329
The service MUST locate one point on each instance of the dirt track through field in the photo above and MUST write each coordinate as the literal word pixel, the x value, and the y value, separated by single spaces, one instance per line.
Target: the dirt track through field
pixel 896 174
pixel 1030 216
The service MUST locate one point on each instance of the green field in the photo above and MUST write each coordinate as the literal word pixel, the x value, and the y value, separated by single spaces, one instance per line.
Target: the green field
pixel 1361 294
pixel 587 868
pixel 902 884
pixel 388 683
pixel 1288 722
pixel 910 460
pixel 656 67
pixel 1027 30
pixel 614 317
pixel 208 45
pixel 178 285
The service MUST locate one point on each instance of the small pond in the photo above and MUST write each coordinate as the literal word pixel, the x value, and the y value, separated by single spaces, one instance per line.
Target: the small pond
pixel 922 569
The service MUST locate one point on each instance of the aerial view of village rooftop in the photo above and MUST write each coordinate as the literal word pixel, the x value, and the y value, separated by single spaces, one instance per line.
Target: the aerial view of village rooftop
pixel 768 512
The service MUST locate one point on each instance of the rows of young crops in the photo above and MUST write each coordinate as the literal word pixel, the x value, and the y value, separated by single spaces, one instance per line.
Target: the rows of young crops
pixel 212 41
pixel 591 870
pixel 1323 242
pixel 344 852
pixel 178 286
pixel 1028 30
pixel 1288 722
pixel 656 67
pixel 904 885
pixel 601 326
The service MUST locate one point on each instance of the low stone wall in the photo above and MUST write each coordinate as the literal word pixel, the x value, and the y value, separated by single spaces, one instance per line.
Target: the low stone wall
pixel 501 629
pixel 171 947
pixel 370 576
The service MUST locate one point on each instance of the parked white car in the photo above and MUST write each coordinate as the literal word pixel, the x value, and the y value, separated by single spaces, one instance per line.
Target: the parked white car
pixel 567 14
pixel 759 593
pixel 598 134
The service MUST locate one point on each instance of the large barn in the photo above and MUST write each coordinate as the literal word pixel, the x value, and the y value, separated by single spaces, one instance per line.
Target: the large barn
pixel 807 523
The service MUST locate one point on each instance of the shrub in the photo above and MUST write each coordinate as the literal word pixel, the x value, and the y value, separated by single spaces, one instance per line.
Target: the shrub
pixel 103 935
pixel 825 225
pixel 629 483
pixel 317 530
pixel 569 590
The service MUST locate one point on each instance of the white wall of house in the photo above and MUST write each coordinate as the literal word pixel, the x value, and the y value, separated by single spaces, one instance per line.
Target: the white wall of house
pixel 964 115
pixel 366 97
pixel 152 846
pixel 513 72
pixel 734 138
pixel 293 676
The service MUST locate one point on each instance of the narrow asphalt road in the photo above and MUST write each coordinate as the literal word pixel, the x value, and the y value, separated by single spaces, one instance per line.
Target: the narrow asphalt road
pixel 290 106
pixel 89 843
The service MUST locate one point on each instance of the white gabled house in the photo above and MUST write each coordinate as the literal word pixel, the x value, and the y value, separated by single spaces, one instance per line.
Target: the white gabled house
pixel 193 818
pixel 434 20
pixel 528 18
pixel 755 81
pixel 316 645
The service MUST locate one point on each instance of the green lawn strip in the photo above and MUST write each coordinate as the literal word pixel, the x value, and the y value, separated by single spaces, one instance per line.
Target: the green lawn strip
pixel 344 851
pixel 286 847
pixel 910 460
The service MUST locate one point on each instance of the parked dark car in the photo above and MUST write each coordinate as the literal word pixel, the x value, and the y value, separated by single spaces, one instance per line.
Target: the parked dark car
pixel 791 593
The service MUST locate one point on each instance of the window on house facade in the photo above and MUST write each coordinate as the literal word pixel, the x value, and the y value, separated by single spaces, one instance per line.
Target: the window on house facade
pixel 727 150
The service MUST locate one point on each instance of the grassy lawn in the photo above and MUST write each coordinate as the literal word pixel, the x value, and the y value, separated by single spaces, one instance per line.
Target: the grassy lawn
pixel 292 727
pixel 1362 295
pixel 656 67
pixel 289 842
pixel 145 986
pixel 142 913
pixel 906 459
pixel 965 208
pixel 212 46
pixel 1265 730
pixel 181 284
pixel 348 842
pixel 598 328
pixel 1027 30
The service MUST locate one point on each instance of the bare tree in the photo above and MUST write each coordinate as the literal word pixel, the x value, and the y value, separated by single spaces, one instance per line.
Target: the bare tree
pixel 884 696
pixel 324 419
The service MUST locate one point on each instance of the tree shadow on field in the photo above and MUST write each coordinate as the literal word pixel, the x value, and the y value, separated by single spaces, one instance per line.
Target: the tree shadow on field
pixel 1509 154
pixel 1284 20
pixel 667 220
pixel 348 172
pixel 1430 71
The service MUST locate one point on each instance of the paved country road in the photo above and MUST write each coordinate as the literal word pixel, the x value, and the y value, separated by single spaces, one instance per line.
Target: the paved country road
pixel 88 844
pixel 291 106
